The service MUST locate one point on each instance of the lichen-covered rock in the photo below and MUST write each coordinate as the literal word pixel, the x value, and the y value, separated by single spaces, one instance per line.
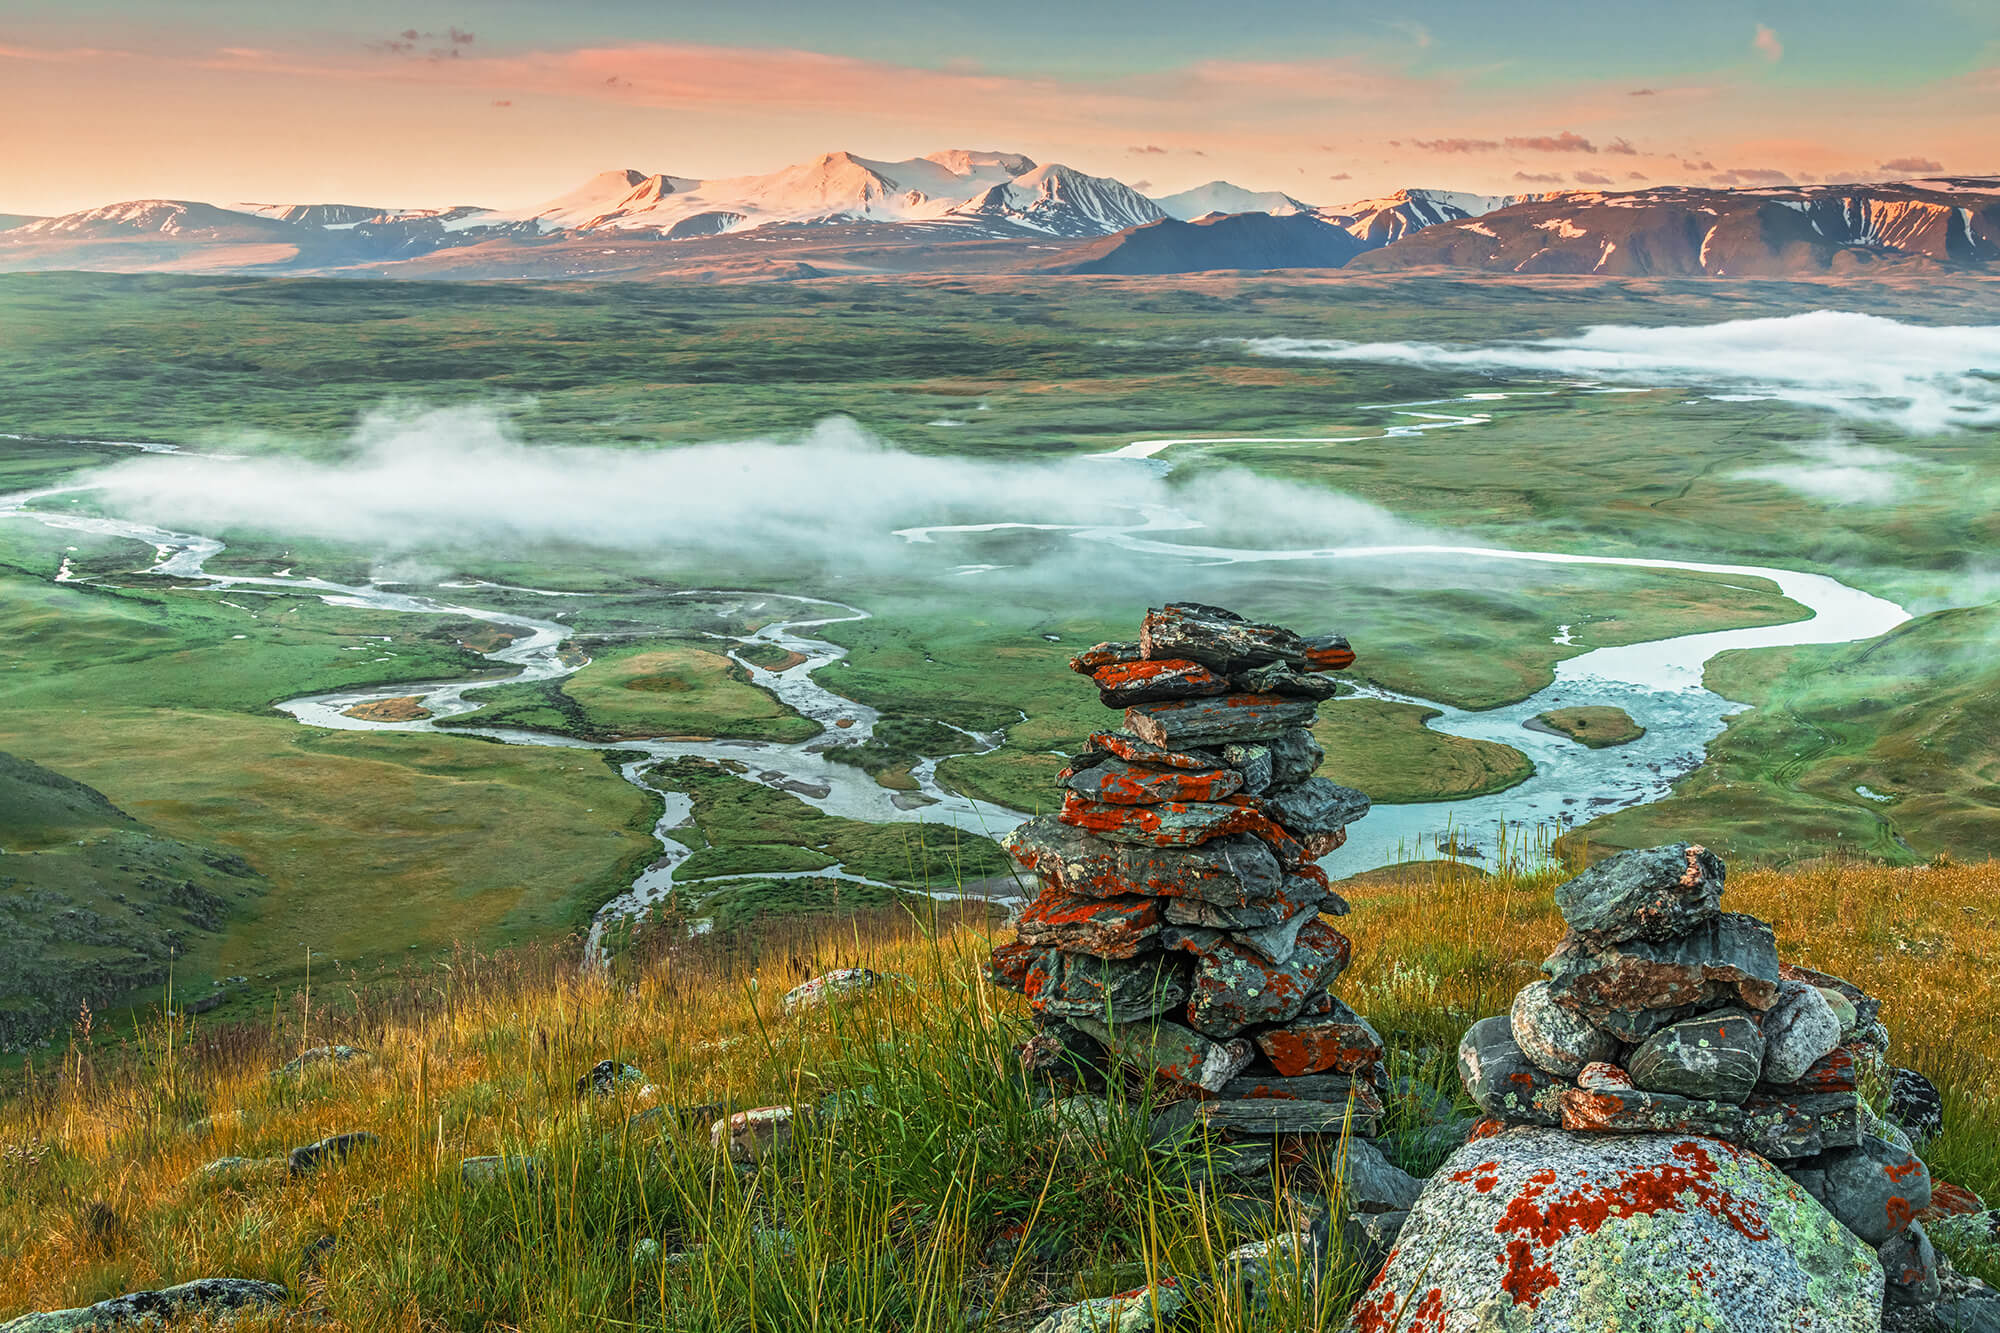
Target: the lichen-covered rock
pixel 1101 927
pixel 1799 1125
pixel 1876 1189
pixel 1632 1111
pixel 208 1297
pixel 1535 1229
pixel 1799 1030
pixel 1087 662
pixel 1910 1267
pixel 1285 1261
pixel 755 1136
pixel 488 1170
pixel 1652 893
pixel 1167 824
pixel 607 1076
pixel 1276 678
pixel 1253 762
pixel 1555 1037
pixel 1303 1087
pixel 1230 871
pixel 1075 985
pixel 1865 1007
pixel 1295 756
pixel 1715 1057
pixel 1233 988
pixel 1116 782
pixel 1121 684
pixel 1142 1311
pixel 1269 1115
pixel 320 1057
pixel 1316 806
pixel 1635 987
pixel 1008 966
pixel 1295 896
pixel 1503 1080
pixel 841 982
pixel 1170 1049
pixel 1339 1041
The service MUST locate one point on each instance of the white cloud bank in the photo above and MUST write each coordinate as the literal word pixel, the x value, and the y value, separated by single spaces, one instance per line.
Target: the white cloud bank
pixel 1834 472
pixel 1922 379
pixel 834 500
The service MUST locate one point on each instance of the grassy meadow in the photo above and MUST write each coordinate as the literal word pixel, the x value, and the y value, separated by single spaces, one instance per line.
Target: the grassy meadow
pixel 938 1196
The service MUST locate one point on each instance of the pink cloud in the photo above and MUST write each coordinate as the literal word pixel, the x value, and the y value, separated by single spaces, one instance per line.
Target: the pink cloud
pixel 1768 45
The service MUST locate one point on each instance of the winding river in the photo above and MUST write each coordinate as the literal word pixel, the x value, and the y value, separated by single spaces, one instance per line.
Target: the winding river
pixel 1658 683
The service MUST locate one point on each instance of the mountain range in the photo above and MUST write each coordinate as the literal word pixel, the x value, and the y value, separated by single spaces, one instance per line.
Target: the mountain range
pixel 975 211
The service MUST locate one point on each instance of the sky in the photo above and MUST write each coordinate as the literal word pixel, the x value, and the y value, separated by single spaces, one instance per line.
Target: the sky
pixel 410 103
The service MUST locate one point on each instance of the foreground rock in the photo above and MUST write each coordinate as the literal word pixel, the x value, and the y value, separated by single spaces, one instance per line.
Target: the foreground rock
pixel 208 1298
pixel 1645 1233
pixel 1141 1311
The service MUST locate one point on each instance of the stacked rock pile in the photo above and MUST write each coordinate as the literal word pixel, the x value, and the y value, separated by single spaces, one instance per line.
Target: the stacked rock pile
pixel 1180 923
pixel 1661 1013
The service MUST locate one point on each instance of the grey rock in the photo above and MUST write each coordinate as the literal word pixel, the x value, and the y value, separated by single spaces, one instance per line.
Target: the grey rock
pixel 1228 719
pixel 1875 1189
pixel 1865 1006
pixel 334 1148
pixel 1231 871
pixel 1799 1030
pixel 1369 1182
pixel 1916 1104
pixel 1909 1267
pixel 1635 987
pixel 1651 893
pixel 487 1170
pixel 1277 942
pixel 1081 986
pixel 1537 1229
pixel 1267 1115
pixel 1503 1080
pixel 1558 1039
pixel 1316 806
pixel 1277 678
pixel 1716 1057
pixel 1285 1262
pixel 1371 1237
pixel 1965 1305
pixel 1253 762
pixel 1302 1087
pixel 607 1076
pixel 1168 1048
pixel 240 1170
pixel 1142 1311
pixel 319 1057
pixel 1787 1127
pixel 1295 756
pixel 1217 638
pixel 208 1297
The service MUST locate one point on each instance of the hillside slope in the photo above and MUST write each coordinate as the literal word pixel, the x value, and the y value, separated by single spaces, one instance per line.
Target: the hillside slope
pixel 94 905
pixel 1241 241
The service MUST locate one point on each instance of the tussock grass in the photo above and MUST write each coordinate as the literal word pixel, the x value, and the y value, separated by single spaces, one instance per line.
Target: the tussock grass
pixel 939 1196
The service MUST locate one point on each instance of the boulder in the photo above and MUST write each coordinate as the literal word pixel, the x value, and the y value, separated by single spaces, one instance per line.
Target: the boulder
pixel 208 1298
pixel 1370 1238
pixel 1503 1080
pixel 1287 1261
pixel 1909 1267
pixel 1786 1127
pixel 1295 895
pixel 1799 1031
pixel 1369 1182
pixel 1168 1048
pixel 1648 1233
pixel 1222 720
pixel 228 1171
pixel 1117 782
pixel 1121 684
pixel 320 1057
pixel 1716 1057
pixel 312 1156
pixel 1865 1007
pixel 1074 985
pixel 1558 1039
pixel 1635 987
pixel 1653 893
pixel 1101 927
pixel 1303 1087
pixel 486 1170
pixel 1230 872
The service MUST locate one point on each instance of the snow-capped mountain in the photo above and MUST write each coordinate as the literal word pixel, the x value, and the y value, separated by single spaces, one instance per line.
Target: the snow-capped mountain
pixel 1061 201
pixel 1377 222
pixel 1222 197
pixel 163 217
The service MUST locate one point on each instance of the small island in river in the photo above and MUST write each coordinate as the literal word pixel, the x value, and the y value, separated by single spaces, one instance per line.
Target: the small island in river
pixel 1597 727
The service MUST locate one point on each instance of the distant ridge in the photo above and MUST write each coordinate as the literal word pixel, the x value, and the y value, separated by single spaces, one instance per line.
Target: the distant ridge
pixel 1243 241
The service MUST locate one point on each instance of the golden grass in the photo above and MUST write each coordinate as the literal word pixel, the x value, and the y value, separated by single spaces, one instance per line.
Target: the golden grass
pixel 891 1219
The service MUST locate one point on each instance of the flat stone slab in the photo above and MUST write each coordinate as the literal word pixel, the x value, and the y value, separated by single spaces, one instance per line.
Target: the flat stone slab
pixel 207 1297
pixel 1231 871
pixel 1177 1052
pixel 1078 986
pixel 1118 782
pixel 1099 655
pixel 1651 893
pixel 1223 720
pixel 1121 684
pixel 1277 678
pixel 1315 806
pixel 1233 988
pixel 1635 987
pixel 1102 927
pixel 1167 824
pixel 1341 1042
pixel 1124 745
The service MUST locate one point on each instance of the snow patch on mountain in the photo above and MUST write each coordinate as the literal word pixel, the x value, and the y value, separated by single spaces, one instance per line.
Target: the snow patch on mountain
pixel 1223 197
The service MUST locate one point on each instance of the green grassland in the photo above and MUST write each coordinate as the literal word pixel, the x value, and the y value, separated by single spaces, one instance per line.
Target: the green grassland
pixel 1913 717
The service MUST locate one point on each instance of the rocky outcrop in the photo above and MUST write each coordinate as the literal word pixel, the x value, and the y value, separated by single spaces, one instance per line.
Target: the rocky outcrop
pixel 211 1298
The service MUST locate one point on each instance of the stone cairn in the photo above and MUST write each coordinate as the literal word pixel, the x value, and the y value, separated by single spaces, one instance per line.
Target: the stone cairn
pixel 1663 1013
pixel 1180 924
